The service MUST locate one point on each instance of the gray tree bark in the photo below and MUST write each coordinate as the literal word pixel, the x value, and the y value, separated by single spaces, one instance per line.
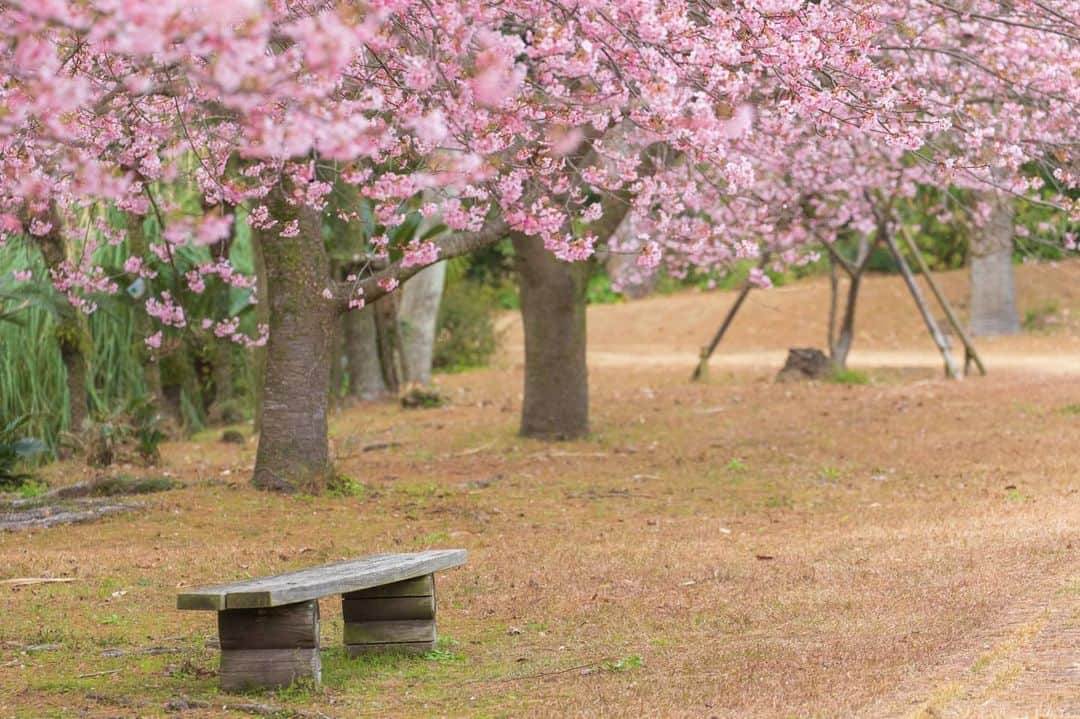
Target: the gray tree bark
pixel 262 317
pixel 74 359
pixel 293 453
pixel 621 263
pixel 840 341
pixel 993 289
pixel 417 317
pixel 389 340
pixel 366 380
pixel 553 313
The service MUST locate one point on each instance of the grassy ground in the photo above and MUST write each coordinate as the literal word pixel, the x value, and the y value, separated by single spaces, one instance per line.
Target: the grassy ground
pixel 908 547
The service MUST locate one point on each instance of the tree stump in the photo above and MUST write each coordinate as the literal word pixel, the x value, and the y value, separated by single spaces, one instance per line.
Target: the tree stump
pixel 804 363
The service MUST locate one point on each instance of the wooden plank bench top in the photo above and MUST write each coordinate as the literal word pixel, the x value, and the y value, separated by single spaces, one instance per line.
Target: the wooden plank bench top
pixel 316 582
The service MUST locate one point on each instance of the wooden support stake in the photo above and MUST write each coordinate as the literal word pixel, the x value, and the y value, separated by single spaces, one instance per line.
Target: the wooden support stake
pixel 951 370
pixel 702 370
pixel 834 297
pixel 970 353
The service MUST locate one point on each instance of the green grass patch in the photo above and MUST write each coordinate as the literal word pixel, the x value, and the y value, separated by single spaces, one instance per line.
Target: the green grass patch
pixel 1041 316
pixel 624 664
pixel 735 465
pixel 849 376
pixel 343 486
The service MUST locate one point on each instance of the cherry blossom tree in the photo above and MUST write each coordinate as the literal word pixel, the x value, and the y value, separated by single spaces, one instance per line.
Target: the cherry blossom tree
pixel 550 122
pixel 997 99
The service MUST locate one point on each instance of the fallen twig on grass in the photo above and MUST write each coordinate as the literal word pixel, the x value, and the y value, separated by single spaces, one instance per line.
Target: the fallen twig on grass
pixel 147 651
pixel 263 710
pixel 376 446
pixel 475 450
pixel 27 581
pixel 100 674
pixel 541 675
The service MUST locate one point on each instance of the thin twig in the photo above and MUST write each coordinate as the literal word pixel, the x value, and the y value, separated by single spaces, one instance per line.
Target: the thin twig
pixel 539 675
pixel 100 674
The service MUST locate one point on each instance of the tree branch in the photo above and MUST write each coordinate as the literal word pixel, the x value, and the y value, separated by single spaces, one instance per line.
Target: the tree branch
pixel 450 246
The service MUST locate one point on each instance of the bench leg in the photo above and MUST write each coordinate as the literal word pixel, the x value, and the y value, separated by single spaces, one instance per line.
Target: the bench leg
pixel 398 617
pixel 269 648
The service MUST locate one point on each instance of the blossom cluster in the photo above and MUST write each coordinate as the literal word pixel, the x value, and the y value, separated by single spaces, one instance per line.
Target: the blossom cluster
pixel 715 130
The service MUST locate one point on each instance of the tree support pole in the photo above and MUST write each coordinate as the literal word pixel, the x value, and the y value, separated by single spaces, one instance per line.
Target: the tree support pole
pixel 701 371
pixel 951 370
pixel 970 353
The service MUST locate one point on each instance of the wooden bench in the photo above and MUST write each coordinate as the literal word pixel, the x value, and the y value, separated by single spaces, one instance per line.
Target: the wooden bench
pixel 269 627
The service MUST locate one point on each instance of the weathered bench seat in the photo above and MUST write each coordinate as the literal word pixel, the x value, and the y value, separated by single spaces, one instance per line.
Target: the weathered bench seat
pixel 269 627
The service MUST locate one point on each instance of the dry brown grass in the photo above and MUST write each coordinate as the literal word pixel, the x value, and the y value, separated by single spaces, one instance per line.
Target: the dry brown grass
pixel 745 549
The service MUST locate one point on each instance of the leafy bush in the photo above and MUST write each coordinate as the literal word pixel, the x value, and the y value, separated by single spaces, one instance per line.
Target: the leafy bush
pixel 15 451
pixel 465 335
pixel 599 291
pixel 128 434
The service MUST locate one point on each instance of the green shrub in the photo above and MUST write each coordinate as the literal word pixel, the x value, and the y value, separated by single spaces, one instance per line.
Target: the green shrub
pixel 124 435
pixel 14 451
pixel 599 291
pixel 465 335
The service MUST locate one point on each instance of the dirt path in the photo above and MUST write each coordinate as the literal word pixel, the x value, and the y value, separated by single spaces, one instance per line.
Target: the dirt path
pixel 898 359
pixel 668 331
pixel 1027 666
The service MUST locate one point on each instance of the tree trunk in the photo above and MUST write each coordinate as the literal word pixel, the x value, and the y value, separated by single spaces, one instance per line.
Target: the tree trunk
pixel 840 341
pixel 293 453
pixel 71 352
pixel 834 298
pixel 417 318
pixel 262 317
pixel 553 313
pixel 993 291
pixel 846 336
pixel 151 361
pixel 362 356
pixel 222 409
pixel 621 264
pixel 385 311
pixel 337 363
